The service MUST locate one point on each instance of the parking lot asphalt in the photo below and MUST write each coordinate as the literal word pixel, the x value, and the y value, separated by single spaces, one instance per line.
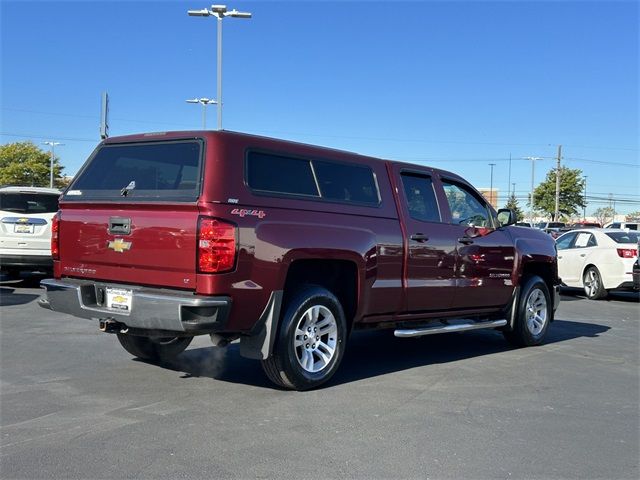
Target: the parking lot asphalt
pixel 74 404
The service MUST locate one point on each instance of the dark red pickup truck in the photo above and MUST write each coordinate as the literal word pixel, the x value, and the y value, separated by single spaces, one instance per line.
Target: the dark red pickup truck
pixel 288 248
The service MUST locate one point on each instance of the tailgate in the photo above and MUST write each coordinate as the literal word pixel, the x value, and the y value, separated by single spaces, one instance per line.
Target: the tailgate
pixel 131 214
pixel 137 244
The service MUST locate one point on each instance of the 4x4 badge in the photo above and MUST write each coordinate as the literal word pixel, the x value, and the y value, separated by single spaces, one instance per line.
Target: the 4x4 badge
pixel 119 245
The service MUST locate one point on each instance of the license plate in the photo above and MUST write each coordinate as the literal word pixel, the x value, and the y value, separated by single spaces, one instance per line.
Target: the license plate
pixel 17 228
pixel 119 299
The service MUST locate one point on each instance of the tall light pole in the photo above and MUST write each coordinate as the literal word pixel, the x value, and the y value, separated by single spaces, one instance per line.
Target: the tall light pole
pixel 533 169
pixel 52 144
pixel 204 102
pixel 509 182
pixel 219 11
pixel 491 185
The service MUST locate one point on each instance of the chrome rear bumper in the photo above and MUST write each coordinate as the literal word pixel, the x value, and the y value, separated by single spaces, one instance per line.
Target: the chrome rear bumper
pixel 151 309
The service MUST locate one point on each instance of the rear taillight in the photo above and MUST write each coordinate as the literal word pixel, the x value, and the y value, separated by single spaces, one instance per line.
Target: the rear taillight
pixel 216 245
pixel 55 236
pixel 627 252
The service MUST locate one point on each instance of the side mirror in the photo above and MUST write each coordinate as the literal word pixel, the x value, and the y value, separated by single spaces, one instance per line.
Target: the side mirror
pixel 506 217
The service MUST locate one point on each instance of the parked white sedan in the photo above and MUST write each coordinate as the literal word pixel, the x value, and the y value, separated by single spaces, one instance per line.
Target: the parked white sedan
pixel 597 260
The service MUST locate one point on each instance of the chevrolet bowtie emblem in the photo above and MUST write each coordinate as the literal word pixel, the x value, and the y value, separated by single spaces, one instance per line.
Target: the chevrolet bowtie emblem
pixel 119 245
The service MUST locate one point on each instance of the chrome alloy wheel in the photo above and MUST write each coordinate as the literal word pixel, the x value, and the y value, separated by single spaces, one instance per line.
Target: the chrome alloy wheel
pixel 316 338
pixel 536 311
pixel 591 283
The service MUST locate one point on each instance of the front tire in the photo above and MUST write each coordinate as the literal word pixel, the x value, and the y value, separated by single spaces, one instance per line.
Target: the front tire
pixel 154 348
pixel 593 286
pixel 310 342
pixel 534 311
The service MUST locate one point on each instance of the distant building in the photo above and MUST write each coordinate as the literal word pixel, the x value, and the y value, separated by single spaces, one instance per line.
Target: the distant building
pixel 490 195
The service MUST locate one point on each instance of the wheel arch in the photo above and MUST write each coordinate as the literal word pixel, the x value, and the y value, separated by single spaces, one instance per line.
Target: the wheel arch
pixel 339 276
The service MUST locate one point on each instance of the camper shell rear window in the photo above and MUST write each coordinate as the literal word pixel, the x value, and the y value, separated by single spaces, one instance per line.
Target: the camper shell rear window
pixel 152 171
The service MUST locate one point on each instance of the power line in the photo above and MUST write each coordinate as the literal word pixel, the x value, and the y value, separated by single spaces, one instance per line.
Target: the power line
pixel 45 137
pixel 352 137
pixel 602 162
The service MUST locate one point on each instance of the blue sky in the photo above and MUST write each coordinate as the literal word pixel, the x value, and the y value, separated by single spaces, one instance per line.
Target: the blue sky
pixel 455 85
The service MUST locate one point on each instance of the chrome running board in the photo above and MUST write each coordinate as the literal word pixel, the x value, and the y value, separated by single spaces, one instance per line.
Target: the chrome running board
pixel 460 327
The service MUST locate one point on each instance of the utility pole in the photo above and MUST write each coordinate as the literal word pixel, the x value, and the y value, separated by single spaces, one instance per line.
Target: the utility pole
pixel 533 169
pixel 52 144
pixel 584 209
pixel 513 191
pixel 556 214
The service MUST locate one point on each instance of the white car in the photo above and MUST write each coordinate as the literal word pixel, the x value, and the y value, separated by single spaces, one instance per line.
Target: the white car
pixel 597 260
pixel 25 228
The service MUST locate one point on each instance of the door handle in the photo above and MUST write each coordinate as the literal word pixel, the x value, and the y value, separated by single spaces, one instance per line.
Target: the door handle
pixel 419 237
pixel 559 256
pixel 465 240
pixel 583 254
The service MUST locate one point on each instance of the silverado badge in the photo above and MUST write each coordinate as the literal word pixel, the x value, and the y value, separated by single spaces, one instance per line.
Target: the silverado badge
pixel 119 245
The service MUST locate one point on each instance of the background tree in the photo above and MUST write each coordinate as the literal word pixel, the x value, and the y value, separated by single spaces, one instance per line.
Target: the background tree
pixel 633 216
pixel 604 215
pixel 571 193
pixel 512 203
pixel 25 164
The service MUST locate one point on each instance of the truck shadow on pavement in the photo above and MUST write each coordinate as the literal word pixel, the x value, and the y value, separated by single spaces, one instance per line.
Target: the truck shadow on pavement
pixel 372 353
pixel 8 297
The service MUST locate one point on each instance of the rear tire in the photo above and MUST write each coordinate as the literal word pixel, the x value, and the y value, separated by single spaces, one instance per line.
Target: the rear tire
pixel 310 341
pixel 154 348
pixel 534 311
pixel 593 287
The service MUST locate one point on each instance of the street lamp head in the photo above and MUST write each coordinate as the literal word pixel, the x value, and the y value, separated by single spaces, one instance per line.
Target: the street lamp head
pixel 236 14
pixel 219 8
pixel 203 101
pixel 199 13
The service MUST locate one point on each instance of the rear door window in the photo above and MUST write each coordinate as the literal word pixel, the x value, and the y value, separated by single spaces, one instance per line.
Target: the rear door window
pixel 421 199
pixel 158 171
pixel 585 240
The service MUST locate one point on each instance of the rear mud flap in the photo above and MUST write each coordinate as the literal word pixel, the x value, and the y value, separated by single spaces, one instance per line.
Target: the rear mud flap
pixel 259 345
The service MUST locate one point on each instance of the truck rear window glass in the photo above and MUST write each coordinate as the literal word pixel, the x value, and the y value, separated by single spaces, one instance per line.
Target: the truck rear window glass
pixel 27 203
pixel 334 181
pixel 146 171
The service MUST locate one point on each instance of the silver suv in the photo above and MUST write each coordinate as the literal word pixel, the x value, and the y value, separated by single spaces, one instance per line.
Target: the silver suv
pixel 25 228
